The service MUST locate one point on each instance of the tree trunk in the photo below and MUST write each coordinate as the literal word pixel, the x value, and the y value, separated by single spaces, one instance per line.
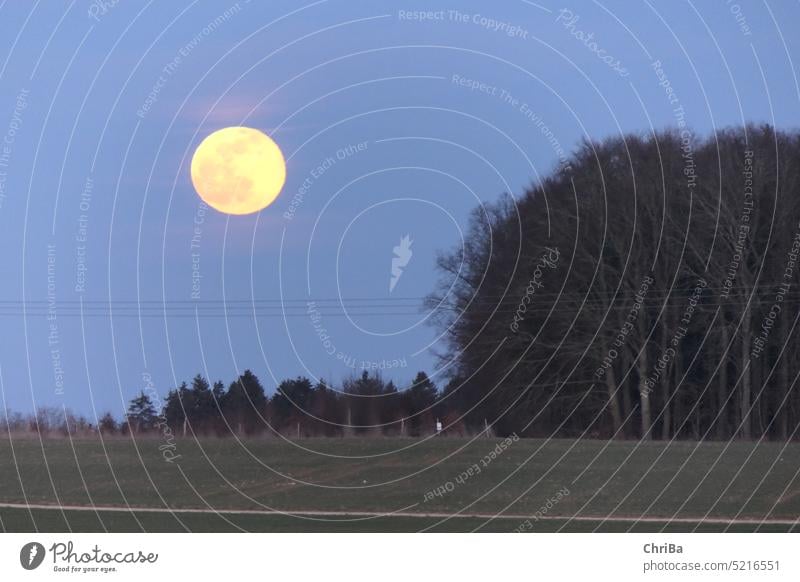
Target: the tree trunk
pixel 746 387
pixel 782 406
pixel 644 398
pixel 666 412
pixel 722 385
pixel 613 403
pixel 666 416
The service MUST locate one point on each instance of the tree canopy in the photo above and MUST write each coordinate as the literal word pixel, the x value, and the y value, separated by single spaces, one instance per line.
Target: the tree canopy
pixel 648 290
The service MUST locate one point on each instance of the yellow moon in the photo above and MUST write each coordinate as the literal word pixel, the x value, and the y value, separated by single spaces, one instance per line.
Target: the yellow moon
pixel 238 170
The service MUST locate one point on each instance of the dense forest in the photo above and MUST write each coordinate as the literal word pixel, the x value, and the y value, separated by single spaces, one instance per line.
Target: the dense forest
pixel 646 289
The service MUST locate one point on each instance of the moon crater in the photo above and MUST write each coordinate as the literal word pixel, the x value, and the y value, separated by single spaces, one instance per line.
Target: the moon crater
pixel 238 170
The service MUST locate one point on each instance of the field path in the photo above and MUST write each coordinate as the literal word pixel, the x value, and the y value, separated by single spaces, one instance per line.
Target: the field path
pixel 438 515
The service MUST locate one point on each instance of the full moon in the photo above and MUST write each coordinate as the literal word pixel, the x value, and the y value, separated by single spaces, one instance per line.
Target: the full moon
pixel 238 170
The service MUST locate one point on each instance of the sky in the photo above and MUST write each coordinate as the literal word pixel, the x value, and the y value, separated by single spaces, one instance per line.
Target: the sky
pixel 396 119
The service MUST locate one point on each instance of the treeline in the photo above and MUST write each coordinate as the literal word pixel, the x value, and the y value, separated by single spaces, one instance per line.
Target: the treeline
pixel 647 289
pixel 363 405
pixel 49 421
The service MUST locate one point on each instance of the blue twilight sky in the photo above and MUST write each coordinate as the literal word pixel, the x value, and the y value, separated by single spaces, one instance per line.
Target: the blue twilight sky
pixel 102 105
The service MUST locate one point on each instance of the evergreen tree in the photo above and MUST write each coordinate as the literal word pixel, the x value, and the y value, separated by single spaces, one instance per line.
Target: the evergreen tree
pixel 141 413
pixel 291 401
pixel 107 424
pixel 175 408
pixel 419 401
pixel 203 409
pixel 244 404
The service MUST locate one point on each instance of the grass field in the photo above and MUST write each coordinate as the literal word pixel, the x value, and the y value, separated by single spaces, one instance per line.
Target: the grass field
pixel 350 484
